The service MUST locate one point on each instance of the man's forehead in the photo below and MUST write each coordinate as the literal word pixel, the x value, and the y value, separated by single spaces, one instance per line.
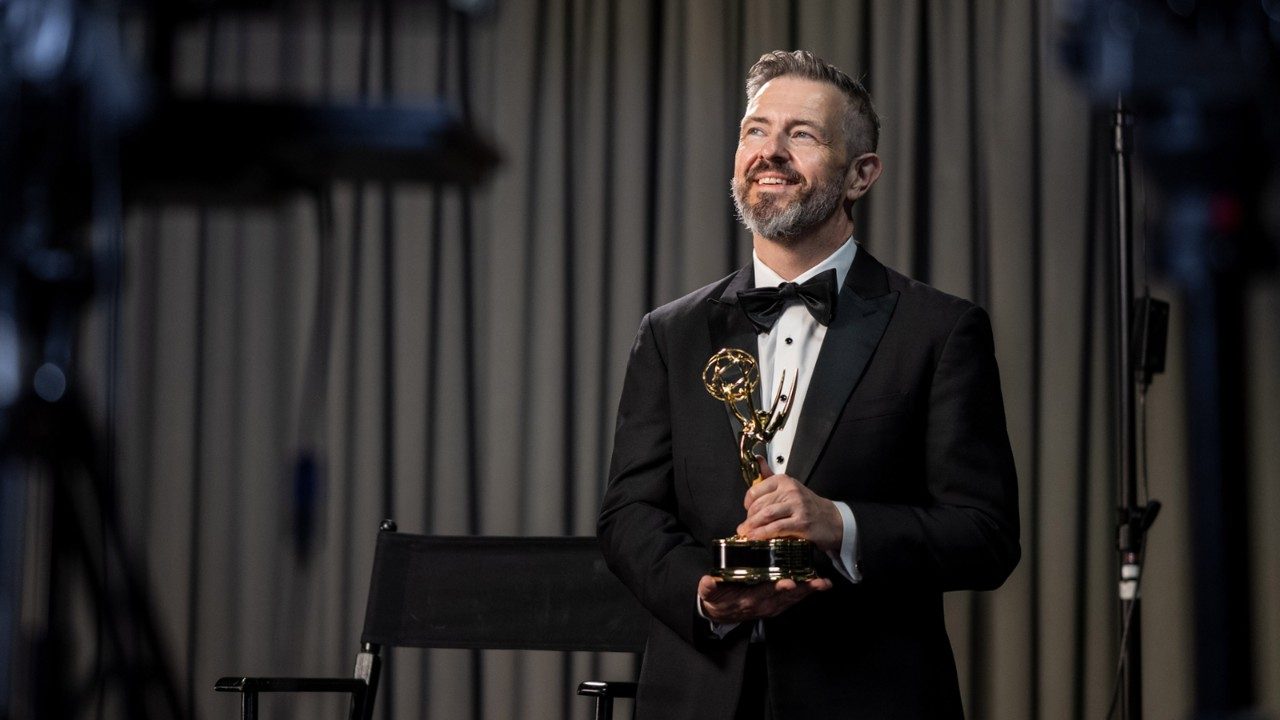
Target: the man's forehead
pixel 794 97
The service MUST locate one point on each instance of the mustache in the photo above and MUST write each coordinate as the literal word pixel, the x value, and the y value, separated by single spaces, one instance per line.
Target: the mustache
pixel 782 168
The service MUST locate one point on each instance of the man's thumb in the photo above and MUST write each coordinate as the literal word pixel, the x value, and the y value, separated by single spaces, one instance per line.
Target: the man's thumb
pixel 765 470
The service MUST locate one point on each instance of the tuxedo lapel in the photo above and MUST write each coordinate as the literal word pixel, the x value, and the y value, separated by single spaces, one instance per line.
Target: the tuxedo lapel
pixel 729 327
pixel 862 314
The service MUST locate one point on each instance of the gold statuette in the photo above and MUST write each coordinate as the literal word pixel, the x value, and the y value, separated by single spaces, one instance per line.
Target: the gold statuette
pixel 732 376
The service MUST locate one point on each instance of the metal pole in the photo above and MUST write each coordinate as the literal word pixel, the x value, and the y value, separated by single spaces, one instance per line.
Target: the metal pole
pixel 1129 529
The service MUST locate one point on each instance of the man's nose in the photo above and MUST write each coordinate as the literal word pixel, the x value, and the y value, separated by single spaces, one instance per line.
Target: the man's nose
pixel 774 147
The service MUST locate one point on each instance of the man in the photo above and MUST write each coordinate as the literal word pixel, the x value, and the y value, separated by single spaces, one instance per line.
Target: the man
pixel 895 462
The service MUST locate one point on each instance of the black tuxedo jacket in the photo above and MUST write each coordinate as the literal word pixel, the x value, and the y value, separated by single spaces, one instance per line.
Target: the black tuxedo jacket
pixel 903 421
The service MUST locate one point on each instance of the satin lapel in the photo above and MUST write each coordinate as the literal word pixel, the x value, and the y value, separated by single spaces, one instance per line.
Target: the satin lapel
pixel 729 327
pixel 851 339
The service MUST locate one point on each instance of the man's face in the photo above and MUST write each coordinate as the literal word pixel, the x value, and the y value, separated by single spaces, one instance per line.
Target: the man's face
pixel 789 173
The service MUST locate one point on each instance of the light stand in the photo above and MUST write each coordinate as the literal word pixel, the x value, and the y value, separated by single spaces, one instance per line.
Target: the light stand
pixel 1135 518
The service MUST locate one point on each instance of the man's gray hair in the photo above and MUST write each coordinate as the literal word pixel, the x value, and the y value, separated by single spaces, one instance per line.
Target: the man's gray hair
pixel 861 124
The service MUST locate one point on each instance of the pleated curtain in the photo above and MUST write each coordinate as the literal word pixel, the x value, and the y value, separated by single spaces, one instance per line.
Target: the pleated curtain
pixel 289 374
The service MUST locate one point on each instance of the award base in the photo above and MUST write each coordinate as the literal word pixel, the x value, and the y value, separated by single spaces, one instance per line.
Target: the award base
pixel 755 561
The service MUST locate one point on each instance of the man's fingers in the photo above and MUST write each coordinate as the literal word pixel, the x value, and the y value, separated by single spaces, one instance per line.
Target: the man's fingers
pixel 777 529
pixel 757 491
pixel 766 505
pixel 782 507
pixel 759 532
pixel 775 520
pixel 708 587
pixel 772 490
pixel 763 513
pixel 731 602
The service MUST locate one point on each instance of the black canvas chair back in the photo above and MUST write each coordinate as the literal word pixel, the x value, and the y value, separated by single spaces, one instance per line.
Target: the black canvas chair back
pixel 542 593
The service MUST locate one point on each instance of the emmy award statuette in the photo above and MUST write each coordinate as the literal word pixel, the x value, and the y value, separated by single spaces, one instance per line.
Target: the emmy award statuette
pixel 731 376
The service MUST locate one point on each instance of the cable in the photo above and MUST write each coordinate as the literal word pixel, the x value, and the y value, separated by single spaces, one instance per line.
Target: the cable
pixel 1142 440
pixel 1124 634
pixel 1144 381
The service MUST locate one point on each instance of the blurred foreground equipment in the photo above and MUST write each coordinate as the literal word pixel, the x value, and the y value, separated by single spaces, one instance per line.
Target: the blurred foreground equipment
pixel 1203 80
pixel 82 134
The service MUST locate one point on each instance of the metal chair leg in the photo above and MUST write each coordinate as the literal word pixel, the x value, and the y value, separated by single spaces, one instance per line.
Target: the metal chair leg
pixel 604 708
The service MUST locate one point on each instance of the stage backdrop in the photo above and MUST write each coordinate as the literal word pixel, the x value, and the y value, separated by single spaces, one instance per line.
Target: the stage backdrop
pixel 454 360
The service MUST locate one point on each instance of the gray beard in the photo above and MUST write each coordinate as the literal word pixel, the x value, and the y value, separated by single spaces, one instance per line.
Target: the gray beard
pixel 769 218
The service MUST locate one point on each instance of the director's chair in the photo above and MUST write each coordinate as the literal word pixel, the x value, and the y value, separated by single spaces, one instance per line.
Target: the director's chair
pixel 504 593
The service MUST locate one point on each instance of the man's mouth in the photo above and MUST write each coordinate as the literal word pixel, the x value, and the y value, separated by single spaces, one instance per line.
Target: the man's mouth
pixel 769 175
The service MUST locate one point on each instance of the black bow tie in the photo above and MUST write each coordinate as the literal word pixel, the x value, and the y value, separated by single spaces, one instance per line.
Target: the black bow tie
pixel 765 305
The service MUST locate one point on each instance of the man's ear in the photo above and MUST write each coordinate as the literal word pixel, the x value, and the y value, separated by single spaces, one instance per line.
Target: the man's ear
pixel 863 173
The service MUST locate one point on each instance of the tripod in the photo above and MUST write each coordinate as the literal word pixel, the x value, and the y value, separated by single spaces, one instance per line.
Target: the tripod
pixel 68 558
pixel 65 570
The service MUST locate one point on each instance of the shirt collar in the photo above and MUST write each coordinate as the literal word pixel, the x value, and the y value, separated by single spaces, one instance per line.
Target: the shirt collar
pixel 841 260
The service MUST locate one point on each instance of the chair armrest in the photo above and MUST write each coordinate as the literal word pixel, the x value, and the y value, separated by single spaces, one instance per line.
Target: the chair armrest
pixel 279 684
pixel 614 689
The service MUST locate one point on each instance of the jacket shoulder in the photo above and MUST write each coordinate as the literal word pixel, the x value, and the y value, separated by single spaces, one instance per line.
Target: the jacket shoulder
pixel 691 305
pixel 917 297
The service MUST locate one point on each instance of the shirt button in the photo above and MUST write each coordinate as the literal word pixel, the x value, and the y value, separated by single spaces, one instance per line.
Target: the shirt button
pixel 783 398
pixel 779 459
pixel 789 341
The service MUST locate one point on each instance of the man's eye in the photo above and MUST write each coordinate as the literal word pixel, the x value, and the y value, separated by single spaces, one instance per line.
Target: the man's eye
pixel 755 131
pixel 802 134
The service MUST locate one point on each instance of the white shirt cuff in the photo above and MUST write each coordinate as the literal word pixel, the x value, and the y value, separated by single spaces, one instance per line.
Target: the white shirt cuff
pixel 846 563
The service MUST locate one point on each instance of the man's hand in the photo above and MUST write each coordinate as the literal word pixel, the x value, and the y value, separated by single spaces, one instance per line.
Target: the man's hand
pixel 726 602
pixel 779 506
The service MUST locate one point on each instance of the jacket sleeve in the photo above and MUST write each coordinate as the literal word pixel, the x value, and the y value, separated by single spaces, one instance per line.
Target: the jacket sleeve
pixel 966 537
pixel 640 534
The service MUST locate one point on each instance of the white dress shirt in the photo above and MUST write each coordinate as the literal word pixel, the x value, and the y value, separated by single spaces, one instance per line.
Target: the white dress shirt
pixel 793 344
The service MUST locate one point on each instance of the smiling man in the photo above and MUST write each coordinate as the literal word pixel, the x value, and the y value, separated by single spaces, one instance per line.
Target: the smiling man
pixel 895 461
